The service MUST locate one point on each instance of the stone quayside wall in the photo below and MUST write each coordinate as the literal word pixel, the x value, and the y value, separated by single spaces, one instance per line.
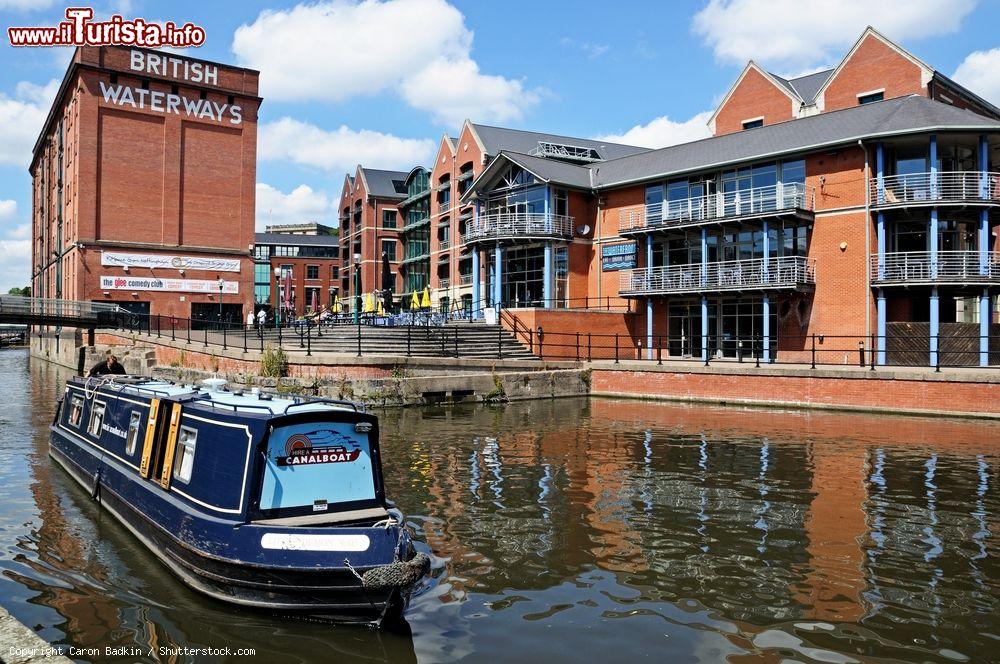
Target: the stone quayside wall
pixel 400 381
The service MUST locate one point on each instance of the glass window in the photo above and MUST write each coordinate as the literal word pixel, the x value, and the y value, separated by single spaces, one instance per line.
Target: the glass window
pixel 389 248
pixel 134 425
pixel 561 202
pixel 75 410
pixel 388 218
pixel 793 171
pixel 96 419
pixel 334 272
pixel 867 99
pixel 753 124
pixel 654 194
pixel 184 454
pixel 312 271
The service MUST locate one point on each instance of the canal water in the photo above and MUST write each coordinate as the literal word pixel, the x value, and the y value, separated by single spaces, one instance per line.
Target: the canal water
pixel 563 530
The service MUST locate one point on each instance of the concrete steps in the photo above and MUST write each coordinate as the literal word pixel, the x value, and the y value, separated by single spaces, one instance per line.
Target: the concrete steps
pixel 473 340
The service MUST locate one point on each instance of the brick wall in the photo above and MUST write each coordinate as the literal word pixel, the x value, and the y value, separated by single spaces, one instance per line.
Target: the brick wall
pixel 862 393
pixel 753 97
pixel 873 65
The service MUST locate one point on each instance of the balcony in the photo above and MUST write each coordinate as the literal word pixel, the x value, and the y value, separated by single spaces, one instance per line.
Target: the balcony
pixel 795 199
pixel 786 272
pixel 907 268
pixel 444 283
pixel 444 244
pixel 519 226
pixel 941 188
pixel 465 280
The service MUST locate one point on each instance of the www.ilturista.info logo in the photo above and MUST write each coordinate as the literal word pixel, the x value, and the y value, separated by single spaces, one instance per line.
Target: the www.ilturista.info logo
pixel 322 446
pixel 79 29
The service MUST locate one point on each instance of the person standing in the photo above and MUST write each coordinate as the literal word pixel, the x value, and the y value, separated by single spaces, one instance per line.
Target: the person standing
pixel 250 319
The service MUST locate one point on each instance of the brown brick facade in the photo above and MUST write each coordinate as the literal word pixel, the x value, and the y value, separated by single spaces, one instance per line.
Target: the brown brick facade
pixel 135 162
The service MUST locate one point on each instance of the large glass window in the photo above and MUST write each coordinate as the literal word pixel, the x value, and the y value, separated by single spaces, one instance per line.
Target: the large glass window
pixel 388 218
pixel 312 271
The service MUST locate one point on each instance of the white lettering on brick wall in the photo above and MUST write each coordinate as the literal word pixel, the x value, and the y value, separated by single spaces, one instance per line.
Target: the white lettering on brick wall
pixel 163 102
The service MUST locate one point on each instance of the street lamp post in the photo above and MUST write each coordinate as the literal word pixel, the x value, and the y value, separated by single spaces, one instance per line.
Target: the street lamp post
pixel 277 297
pixel 357 289
pixel 221 286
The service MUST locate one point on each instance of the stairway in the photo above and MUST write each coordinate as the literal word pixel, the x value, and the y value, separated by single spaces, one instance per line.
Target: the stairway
pixel 454 339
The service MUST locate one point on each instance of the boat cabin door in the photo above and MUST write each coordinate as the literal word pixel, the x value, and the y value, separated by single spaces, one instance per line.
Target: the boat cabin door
pixel 161 438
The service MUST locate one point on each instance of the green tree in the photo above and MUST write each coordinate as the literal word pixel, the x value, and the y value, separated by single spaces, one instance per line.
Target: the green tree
pixel 25 292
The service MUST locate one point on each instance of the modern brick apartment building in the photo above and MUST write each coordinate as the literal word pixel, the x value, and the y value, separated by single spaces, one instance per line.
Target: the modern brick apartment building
pixel 856 204
pixel 369 225
pixel 296 269
pixel 143 184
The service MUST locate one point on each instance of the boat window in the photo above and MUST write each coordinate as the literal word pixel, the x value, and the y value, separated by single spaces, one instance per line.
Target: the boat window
pixel 96 419
pixel 135 420
pixel 184 455
pixel 75 411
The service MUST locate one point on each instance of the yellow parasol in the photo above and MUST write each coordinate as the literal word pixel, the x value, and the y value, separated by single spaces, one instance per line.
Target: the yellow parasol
pixel 369 304
pixel 425 303
pixel 335 308
pixel 414 301
pixel 379 309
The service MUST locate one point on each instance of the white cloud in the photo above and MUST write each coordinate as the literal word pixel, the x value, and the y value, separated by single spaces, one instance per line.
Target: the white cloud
pixel 340 149
pixel 21 118
pixel 302 204
pixel 802 33
pixel 662 131
pixel 22 5
pixel 453 90
pixel 980 72
pixel 337 50
pixel 8 210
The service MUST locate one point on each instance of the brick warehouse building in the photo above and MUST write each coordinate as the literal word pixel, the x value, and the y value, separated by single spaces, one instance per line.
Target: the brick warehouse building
pixel 143 184
pixel 856 204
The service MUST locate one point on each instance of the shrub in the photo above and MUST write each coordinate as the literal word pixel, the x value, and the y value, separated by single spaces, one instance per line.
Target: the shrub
pixel 273 362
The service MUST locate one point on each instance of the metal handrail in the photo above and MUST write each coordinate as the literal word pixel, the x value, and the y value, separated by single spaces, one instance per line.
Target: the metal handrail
pixel 935 187
pixel 950 266
pixel 781 272
pixel 43 306
pixel 718 206
pixel 518 224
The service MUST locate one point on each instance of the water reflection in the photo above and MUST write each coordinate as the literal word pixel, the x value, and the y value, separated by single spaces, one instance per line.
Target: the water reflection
pixel 600 528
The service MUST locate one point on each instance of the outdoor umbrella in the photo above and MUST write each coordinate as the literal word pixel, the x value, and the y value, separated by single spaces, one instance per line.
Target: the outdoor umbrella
pixel 414 301
pixel 426 302
pixel 315 301
pixel 387 282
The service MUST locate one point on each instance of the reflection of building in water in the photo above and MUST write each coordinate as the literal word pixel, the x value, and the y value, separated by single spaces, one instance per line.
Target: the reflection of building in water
pixel 762 516
pixel 835 528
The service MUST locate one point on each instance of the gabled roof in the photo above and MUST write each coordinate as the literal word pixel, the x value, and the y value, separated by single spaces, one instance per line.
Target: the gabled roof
pixel 781 84
pixel 928 71
pixel 494 140
pixel 550 171
pixel 384 184
pixel 901 115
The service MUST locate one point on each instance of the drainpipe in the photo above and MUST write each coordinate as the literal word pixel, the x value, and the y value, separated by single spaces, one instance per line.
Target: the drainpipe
pixel 984 254
pixel 649 300
pixel 880 251
pixel 868 244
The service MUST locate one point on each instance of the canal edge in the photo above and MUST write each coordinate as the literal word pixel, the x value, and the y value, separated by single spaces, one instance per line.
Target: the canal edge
pixel 20 645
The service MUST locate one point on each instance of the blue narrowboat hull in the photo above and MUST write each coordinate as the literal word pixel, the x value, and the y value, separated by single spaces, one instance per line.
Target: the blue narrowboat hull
pixel 262 564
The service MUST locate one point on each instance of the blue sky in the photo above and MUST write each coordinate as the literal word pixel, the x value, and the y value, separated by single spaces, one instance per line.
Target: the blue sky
pixel 379 82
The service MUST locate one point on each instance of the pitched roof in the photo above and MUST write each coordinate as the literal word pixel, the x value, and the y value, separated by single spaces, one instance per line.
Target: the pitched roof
pixel 296 238
pixel 385 184
pixel 900 115
pixel 807 86
pixel 552 170
pixel 497 139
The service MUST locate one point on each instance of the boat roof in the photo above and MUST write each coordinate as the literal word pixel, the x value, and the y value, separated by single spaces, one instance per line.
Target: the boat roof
pixel 250 402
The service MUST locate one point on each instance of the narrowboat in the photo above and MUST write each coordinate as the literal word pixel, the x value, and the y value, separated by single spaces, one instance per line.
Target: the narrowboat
pixel 250 498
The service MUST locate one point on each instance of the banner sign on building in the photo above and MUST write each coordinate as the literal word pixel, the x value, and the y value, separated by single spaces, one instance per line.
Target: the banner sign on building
pixel 109 282
pixel 171 262
pixel 621 256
